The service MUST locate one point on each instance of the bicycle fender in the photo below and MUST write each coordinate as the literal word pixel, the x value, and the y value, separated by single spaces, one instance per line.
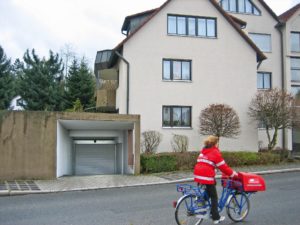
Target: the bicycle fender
pixel 180 199
pixel 228 199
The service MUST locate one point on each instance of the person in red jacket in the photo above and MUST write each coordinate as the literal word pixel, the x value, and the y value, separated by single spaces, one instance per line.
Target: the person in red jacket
pixel 210 159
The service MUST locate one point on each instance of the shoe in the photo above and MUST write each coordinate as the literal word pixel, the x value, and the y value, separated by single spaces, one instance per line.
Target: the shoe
pixel 222 218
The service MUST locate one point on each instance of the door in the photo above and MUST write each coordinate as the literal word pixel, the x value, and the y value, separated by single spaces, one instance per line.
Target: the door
pixel 95 159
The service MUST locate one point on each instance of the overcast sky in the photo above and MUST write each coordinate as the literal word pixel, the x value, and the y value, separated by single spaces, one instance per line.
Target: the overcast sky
pixel 85 25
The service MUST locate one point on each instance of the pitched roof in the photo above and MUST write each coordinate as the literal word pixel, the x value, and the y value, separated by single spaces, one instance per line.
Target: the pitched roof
pixel 142 24
pixel 284 17
pixel 260 55
pixel 128 18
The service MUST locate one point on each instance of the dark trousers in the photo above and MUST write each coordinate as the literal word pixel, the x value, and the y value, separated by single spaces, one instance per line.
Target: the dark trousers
pixel 213 195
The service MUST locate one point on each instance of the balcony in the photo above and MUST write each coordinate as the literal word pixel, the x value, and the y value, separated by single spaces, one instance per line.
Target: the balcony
pixel 106 80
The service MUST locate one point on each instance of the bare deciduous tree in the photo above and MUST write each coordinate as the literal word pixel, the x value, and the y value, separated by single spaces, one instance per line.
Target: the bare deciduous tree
pixel 67 52
pixel 180 143
pixel 274 110
pixel 150 141
pixel 219 120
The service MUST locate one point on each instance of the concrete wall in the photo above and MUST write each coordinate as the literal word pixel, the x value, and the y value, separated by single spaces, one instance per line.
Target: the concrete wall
pixel 223 71
pixel 27 145
pixel 28 142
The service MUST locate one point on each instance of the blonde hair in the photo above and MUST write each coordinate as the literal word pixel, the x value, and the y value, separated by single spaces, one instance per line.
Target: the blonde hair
pixel 211 141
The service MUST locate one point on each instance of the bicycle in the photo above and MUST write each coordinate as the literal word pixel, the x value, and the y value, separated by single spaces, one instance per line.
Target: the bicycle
pixel 194 206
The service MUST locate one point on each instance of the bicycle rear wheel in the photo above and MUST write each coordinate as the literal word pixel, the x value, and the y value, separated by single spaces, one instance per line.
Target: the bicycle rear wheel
pixel 185 211
pixel 238 207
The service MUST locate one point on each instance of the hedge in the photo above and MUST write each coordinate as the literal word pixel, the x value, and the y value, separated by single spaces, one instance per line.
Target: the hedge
pixel 167 162
pixel 154 163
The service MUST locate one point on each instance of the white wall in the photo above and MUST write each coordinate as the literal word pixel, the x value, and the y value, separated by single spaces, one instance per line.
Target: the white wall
pixel 293 24
pixel 64 152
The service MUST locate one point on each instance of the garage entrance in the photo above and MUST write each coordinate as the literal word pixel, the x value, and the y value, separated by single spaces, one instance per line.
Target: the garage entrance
pixel 95 157
pixel 86 147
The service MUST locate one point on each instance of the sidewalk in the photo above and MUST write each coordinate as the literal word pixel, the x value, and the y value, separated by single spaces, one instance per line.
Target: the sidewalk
pixel 82 183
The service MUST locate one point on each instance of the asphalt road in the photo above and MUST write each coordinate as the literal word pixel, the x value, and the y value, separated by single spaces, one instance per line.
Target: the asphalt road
pixel 149 205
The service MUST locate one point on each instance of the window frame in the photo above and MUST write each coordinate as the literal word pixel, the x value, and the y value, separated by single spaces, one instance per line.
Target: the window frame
pixel 294 69
pixel 298 43
pixel 262 35
pixel 171 108
pixel 295 87
pixel 263 73
pixel 171 69
pixel 237 7
pixel 196 28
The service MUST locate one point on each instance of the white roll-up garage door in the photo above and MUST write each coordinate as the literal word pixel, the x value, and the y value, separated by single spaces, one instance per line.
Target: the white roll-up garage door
pixel 95 159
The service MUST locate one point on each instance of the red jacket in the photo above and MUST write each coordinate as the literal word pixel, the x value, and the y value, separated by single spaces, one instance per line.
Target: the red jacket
pixel 208 160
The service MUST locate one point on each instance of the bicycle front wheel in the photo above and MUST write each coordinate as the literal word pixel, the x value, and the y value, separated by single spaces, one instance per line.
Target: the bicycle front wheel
pixel 185 211
pixel 238 207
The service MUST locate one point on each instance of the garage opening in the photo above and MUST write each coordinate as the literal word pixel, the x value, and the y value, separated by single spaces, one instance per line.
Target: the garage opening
pixel 94 148
pixel 94 157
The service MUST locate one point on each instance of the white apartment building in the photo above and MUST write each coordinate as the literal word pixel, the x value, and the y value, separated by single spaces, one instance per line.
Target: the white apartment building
pixel 290 28
pixel 178 59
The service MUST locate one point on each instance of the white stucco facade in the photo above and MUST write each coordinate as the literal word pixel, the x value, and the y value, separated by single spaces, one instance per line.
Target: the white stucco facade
pixel 223 71
pixel 291 25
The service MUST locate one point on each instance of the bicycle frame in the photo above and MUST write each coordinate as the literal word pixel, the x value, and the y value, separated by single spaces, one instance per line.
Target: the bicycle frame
pixel 229 191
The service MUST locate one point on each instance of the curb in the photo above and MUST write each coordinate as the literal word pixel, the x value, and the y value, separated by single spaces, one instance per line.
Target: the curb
pixel 15 193
pixel 257 172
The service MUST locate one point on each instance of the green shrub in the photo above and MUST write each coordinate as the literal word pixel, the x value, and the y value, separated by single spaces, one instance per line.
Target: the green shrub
pixel 176 161
pixel 155 163
pixel 240 158
pixel 186 160
pixel 268 158
pixel 283 153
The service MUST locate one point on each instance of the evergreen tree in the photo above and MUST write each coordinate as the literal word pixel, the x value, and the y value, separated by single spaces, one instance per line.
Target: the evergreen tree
pixel 40 83
pixel 6 81
pixel 17 69
pixel 80 84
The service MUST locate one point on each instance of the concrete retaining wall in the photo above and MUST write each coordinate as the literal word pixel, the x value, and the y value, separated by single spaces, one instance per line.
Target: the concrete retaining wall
pixel 28 141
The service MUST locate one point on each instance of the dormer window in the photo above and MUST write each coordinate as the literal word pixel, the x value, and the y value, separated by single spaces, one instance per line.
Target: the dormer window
pixel 240 6
pixel 192 26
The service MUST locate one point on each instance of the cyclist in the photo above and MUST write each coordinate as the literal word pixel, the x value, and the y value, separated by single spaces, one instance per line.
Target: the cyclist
pixel 210 159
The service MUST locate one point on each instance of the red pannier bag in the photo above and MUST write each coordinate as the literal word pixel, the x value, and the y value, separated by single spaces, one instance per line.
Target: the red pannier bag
pixel 252 182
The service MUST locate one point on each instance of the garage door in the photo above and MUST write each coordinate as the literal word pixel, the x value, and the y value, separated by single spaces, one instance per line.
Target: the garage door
pixel 94 159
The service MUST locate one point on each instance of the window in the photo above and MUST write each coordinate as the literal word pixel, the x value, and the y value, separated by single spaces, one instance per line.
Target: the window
pixel 263 41
pixel 172 27
pixel 192 26
pixel 176 116
pixel 296 91
pixel 177 70
pixel 261 125
pixel 240 6
pixel 295 69
pixel 295 41
pixel 263 80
